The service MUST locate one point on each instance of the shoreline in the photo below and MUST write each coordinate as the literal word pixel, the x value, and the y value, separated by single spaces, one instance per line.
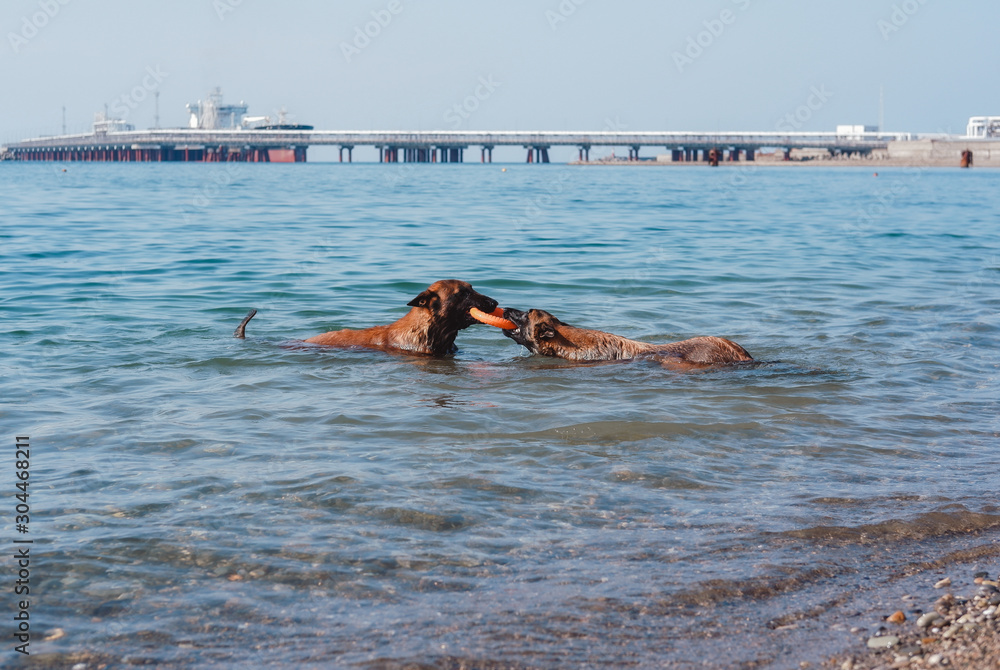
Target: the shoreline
pixel 866 164
pixel 944 600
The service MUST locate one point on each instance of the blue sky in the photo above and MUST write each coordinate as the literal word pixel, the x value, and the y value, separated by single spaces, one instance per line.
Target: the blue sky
pixel 516 64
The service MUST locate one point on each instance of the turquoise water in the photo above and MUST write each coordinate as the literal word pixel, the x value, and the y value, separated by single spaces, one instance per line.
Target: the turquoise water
pixel 206 501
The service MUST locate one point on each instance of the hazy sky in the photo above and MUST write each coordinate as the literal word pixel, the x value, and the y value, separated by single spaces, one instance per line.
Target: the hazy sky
pixel 516 64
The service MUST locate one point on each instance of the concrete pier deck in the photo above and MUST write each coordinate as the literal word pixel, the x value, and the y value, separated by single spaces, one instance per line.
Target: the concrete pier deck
pixel 183 144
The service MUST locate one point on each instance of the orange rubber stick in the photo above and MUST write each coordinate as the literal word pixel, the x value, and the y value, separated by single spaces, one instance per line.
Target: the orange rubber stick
pixel 495 319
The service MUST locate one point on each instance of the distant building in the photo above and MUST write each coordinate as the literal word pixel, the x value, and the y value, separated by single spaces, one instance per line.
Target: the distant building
pixel 211 114
pixel 983 127
pixel 855 132
pixel 104 125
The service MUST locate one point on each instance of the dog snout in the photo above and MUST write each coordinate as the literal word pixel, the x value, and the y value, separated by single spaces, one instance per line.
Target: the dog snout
pixel 479 301
pixel 489 304
pixel 517 316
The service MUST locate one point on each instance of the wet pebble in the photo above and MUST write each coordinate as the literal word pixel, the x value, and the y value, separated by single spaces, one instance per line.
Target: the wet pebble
pixel 883 642
pixel 896 617
pixel 947 600
pixel 928 619
pixel 943 583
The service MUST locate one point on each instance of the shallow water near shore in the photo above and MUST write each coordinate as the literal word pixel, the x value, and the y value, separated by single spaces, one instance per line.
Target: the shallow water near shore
pixel 199 500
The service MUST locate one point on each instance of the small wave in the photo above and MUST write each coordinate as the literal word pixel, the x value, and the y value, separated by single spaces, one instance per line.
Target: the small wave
pixel 954 521
pixel 419 519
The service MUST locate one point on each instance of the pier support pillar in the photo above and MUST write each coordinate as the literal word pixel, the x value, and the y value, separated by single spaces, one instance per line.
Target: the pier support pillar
pixel 788 154
pixel 750 154
pixel 537 154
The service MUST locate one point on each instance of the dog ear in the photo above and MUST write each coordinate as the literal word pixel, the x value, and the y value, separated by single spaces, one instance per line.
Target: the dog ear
pixel 422 300
pixel 545 332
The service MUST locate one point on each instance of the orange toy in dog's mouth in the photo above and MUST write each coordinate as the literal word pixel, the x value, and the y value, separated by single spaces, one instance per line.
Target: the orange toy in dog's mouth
pixel 495 319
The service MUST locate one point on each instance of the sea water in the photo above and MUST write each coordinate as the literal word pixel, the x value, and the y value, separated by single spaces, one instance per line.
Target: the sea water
pixel 199 500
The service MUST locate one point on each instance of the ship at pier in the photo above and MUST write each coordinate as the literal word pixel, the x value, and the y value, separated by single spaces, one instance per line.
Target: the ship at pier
pixel 209 138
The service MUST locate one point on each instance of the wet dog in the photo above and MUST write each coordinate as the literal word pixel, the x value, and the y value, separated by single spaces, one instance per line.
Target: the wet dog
pixel 430 327
pixel 544 334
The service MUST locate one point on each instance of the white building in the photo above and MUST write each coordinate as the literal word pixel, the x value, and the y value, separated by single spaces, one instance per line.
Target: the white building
pixel 103 125
pixel 211 114
pixel 983 127
pixel 855 132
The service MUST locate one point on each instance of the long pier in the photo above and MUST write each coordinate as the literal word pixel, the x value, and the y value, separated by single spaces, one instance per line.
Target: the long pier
pixel 433 146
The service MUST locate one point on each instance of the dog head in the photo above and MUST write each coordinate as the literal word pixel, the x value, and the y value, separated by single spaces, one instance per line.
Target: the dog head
pixel 448 303
pixel 538 330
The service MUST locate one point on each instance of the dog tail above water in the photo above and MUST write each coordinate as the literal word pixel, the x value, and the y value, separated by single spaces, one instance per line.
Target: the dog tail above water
pixel 241 330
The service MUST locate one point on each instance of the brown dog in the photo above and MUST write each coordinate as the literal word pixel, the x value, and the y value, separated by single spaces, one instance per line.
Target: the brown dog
pixel 544 334
pixel 430 327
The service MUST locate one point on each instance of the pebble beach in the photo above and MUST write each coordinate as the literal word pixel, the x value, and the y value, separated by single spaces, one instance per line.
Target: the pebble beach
pixel 958 629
